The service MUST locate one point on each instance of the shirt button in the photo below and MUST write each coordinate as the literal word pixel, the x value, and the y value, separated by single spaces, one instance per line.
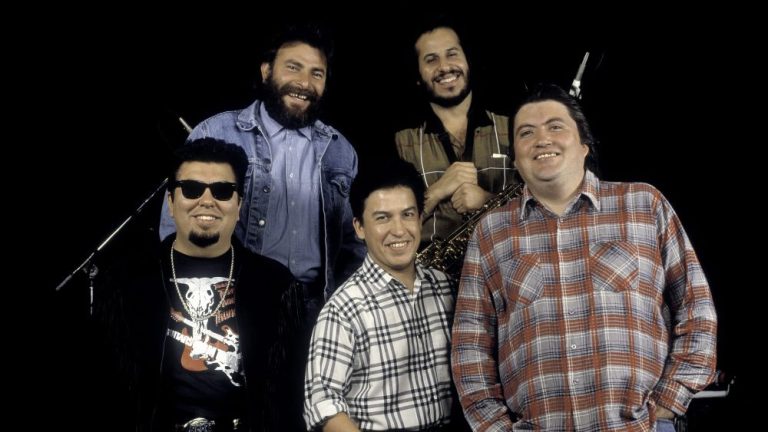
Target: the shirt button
pixel 571 312
pixel 266 189
pixel 294 232
pixel 262 222
pixel 573 346
pixel 576 381
pixel 290 175
pixel 293 203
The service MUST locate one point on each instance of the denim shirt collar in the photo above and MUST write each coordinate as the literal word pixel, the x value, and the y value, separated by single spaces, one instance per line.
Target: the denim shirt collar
pixel 251 118
pixel 272 127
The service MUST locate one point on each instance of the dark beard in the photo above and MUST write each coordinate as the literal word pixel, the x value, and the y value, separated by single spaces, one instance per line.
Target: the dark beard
pixel 273 103
pixel 203 240
pixel 447 102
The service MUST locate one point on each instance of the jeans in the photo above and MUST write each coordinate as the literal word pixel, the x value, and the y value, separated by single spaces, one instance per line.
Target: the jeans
pixel 665 425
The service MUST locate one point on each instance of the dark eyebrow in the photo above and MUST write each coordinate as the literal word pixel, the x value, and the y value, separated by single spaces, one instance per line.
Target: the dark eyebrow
pixel 291 61
pixel 549 121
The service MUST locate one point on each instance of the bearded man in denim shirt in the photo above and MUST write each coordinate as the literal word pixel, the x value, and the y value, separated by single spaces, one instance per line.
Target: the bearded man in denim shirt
pixel 296 207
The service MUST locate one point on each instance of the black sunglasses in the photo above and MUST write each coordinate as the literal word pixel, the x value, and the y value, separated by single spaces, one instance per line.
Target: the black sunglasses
pixel 193 189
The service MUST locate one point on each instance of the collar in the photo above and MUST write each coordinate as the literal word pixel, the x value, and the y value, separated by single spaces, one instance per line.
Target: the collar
pixel 477 116
pixel 590 190
pixel 250 118
pixel 377 277
pixel 272 127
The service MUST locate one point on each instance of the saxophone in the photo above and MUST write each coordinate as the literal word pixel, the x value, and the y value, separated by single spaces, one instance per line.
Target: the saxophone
pixel 447 254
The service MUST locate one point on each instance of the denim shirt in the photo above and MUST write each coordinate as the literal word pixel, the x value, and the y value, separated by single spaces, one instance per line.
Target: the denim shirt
pixel 343 252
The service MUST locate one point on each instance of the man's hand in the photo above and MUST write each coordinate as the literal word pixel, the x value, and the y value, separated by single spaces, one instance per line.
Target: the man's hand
pixel 456 175
pixel 469 197
pixel 663 413
pixel 340 423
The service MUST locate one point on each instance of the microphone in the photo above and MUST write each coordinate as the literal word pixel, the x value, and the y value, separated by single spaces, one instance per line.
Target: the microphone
pixel 189 128
pixel 576 84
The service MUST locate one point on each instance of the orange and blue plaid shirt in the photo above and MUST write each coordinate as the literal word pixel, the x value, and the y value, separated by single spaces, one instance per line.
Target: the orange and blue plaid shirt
pixel 583 321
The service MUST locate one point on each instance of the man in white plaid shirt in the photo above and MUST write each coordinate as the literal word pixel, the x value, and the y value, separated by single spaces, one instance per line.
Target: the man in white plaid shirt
pixel 379 356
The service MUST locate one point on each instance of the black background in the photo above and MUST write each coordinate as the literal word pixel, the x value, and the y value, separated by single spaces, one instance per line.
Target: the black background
pixel 660 92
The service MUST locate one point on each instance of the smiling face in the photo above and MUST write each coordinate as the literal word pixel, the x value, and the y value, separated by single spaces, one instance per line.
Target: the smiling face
pixel 443 66
pixel 294 84
pixel 391 229
pixel 204 225
pixel 547 145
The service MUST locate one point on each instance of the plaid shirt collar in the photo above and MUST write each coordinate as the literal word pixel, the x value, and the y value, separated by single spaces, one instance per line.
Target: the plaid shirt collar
pixel 590 189
pixel 378 278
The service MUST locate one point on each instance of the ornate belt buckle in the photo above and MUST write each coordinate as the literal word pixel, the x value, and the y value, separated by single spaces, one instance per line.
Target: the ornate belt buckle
pixel 200 424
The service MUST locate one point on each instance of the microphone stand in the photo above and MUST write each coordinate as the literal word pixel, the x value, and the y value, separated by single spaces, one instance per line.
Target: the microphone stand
pixel 576 84
pixel 88 265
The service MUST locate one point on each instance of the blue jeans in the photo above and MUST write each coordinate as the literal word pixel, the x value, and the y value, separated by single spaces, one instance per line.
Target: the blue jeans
pixel 664 425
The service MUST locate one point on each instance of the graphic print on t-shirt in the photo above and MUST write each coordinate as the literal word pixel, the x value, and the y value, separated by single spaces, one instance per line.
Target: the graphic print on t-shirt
pixel 213 347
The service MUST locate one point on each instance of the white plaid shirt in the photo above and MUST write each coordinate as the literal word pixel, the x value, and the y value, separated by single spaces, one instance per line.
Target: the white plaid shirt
pixel 381 354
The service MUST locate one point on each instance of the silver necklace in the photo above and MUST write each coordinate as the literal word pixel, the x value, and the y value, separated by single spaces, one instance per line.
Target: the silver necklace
pixel 194 315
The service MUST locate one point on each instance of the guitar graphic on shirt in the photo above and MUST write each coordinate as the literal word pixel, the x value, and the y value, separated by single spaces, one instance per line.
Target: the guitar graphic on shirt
pixel 198 353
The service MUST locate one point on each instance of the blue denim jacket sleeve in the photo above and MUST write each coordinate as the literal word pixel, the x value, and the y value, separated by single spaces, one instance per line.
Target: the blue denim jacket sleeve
pixel 352 251
pixel 346 252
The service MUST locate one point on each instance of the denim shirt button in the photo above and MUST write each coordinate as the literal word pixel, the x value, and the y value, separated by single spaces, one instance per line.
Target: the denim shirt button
pixel 266 189
pixel 262 222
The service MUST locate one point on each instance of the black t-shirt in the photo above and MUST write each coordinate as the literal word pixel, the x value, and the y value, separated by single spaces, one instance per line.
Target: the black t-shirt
pixel 202 366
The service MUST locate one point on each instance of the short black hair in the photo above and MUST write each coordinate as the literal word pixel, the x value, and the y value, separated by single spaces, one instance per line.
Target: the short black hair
pixel 387 175
pixel 548 91
pixel 210 150
pixel 430 23
pixel 311 34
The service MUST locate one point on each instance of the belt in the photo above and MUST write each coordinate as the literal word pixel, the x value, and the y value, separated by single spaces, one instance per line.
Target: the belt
pixel 201 424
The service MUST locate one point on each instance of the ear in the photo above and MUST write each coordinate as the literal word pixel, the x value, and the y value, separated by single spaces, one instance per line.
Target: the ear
pixel 358 228
pixel 265 69
pixel 170 204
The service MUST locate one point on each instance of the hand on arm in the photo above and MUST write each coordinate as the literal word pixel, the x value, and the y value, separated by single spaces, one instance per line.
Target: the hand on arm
pixel 469 197
pixel 456 175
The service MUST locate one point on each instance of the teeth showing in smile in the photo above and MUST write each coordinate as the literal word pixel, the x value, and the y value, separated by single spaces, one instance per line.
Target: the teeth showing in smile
pixel 205 218
pixel 298 96
pixel 398 245
pixel 448 78
pixel 545 156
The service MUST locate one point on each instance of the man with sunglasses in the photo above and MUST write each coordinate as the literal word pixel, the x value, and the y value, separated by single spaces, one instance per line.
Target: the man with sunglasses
pixel 296 207
pixel 201 323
